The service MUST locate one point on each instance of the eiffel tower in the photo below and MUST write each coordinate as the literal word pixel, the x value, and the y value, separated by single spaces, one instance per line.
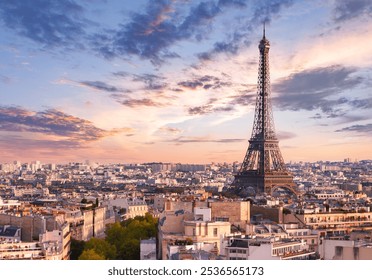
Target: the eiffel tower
pixel 263 167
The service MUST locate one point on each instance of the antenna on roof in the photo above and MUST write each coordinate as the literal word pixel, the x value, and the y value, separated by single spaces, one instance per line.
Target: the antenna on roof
pixel 264 30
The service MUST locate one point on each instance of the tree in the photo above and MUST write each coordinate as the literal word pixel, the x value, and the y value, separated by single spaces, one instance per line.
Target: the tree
pixel 122 241
pixel 90 254
pixel 114 234
pixel 102 248
pixel 126 236
pixel 130 250
pixel 77 248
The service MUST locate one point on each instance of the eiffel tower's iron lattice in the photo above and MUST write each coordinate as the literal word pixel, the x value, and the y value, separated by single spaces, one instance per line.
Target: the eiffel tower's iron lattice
pixel 263 167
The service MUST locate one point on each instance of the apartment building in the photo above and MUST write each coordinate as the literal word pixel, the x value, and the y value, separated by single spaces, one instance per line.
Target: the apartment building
pixel 332 223
pixel 267 248
pixel 128 208
pixel 52 245
pixel 180 227
pixel 85 224
pixel 148 249
pixel 333 249
pixel 234 212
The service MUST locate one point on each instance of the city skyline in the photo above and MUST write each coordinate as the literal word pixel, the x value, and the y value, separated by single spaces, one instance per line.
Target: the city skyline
pixel 175 81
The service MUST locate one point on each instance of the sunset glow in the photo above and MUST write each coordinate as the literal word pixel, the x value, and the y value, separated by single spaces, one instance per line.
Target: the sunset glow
pixel 175 81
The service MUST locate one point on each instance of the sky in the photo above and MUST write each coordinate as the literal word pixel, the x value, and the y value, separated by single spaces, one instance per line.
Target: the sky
pixel 175 80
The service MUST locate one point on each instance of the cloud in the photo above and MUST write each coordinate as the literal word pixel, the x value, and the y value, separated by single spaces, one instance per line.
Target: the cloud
pixel 229 104
pixel 345 10
pixel 353 118
pixel 144 102
pixel 5 79
pixel 208 109
pixel 51 23
pixel 185 140
pixel 203 13
pixel 361 103
pixel 311 102
pixel 122 74
pixel 233 3
pixel 150 34
pixel 230 46
pixel 54 123
pixel 14 142
pixel 169 130
pixel 151 81
pixel 240 35
pixel 102 86
pixel 176 89
pixel 247 98
pixel 284 135
pixel 311 89
pixel 266 10
pixel 223 109
pixel 200 110
pixel 190 84
pixel 318 80
pixel 206 82
pixel 362 129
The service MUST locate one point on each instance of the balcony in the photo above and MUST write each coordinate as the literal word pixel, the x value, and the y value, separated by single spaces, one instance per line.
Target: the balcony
pixel 296 254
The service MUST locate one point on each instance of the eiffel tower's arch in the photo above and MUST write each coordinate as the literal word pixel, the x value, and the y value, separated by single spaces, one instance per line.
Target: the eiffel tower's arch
pixel 290 188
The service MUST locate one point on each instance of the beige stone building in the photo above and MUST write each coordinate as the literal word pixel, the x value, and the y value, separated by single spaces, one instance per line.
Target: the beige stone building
pixel 127 208
pixel 200 222
pixel 332 223
pixel 175 205
pixel 274 214
pixel 44 238
pixel 268 248
pixel 180 228
pixel 171 230
pixel 206 231
pixel 345 250
pixel 85 224
pixel 234 212
pixel 135 208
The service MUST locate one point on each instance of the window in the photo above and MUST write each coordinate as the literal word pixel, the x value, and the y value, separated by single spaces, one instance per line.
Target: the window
pixel 339 250
pixel 215 231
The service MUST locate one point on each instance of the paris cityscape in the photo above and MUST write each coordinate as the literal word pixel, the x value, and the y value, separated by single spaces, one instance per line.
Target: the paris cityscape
pixel 185 130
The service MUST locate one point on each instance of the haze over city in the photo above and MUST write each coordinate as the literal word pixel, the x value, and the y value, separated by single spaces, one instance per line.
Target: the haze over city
pixel 141 81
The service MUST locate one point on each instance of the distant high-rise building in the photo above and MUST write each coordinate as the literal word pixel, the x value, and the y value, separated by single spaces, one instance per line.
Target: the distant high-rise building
pixel 263 167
